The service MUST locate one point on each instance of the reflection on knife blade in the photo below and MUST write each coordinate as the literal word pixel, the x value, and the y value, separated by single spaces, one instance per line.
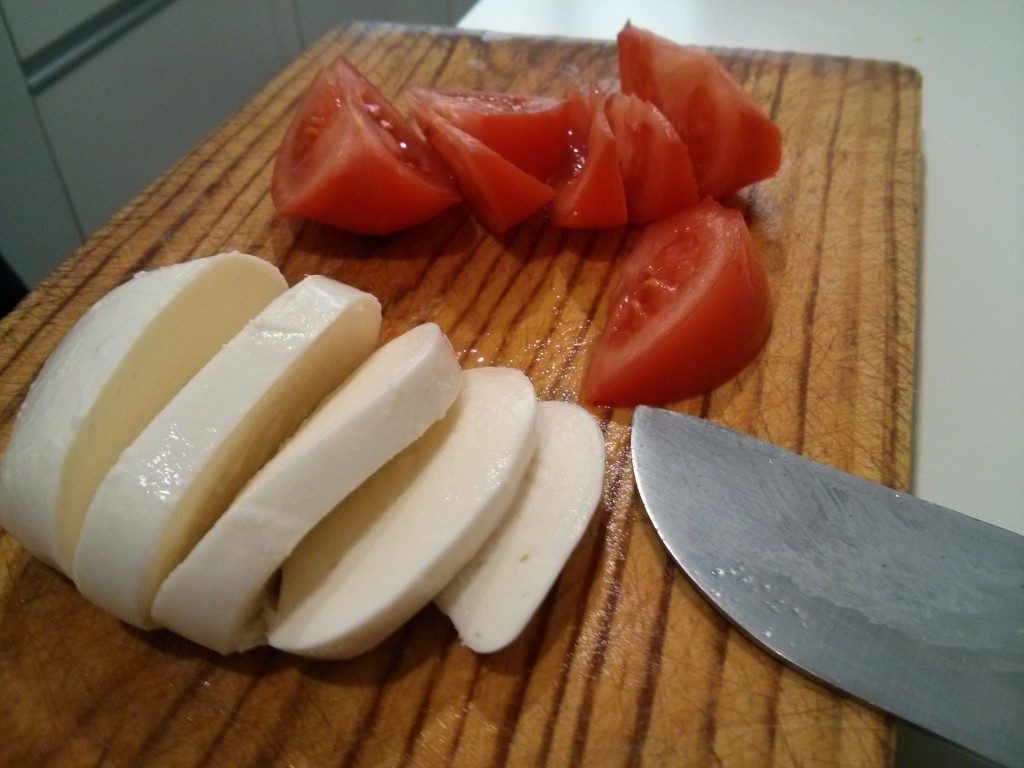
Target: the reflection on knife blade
pixel 905 605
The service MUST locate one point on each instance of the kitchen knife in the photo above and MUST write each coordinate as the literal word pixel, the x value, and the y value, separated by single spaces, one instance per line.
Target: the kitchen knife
pixel 910 607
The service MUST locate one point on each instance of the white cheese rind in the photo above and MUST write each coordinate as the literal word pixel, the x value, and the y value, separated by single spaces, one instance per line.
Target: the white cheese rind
pixel 181 472
pixel 114 370
pixel 216 595
pixel 387 550
pixel 495 595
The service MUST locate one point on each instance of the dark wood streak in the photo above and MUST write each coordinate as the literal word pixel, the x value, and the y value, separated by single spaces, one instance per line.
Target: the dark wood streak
pixel 460 726
pixel 451 44
pixel 474 303
pixel 773 112
pixel 184 696
pixel 652 668
pixel 560 683
pixel 894 474
pixel 621 479
pixel 608 283
pixel 740 67
pixel 251 684
pixel 526 302
pixel 276 736
pixel 424 707
pixel 600 297
pixel 783 71
pixel 384 47
pixel 811 300
pixel 395 301
pixel 513 708
pixel 364 730
pixel 410 71
pixel 709 724
pixel 33 650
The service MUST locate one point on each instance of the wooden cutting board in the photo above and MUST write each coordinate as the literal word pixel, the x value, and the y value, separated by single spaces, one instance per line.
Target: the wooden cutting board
pixel 625 664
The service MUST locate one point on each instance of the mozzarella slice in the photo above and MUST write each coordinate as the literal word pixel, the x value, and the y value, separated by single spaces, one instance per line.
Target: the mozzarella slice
pixel 216 595
pixel 495 595
pixel 385 551
pixel 114 370
pixel 181 472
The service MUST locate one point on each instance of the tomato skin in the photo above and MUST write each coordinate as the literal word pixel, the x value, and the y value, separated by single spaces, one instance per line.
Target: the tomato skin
pixel 656 168
pixel 529 131
pixel 690 310
pixel 498 193
pixel 732 142
pixel 348 159
pixel 590 193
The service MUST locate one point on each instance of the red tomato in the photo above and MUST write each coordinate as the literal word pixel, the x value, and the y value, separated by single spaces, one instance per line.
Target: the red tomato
pixel 691 309
pixel 590 193
pixel 498 193
pixel 656 168
pixel 531 132
pixel 349 159
pixel 732 142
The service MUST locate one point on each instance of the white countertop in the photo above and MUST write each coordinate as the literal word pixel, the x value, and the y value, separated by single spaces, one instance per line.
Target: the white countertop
pixel 969 419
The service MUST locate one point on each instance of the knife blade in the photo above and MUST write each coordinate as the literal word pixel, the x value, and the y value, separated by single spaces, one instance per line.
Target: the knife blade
pixel 909 607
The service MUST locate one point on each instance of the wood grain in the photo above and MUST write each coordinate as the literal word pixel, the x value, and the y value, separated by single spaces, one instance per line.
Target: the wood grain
pixel 625 664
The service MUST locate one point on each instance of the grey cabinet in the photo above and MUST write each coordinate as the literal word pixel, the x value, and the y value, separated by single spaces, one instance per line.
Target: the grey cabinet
pixel 37 222
pixel 99 97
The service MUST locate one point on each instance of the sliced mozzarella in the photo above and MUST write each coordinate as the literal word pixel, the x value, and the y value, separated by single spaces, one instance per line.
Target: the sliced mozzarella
pixel 174 480
pixel 114 370
pixel 493 597
pixel 216 595
pixel 385 551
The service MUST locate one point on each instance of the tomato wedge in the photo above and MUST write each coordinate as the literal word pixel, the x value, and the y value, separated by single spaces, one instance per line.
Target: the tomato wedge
pixel 590 192
pixel 531 132
pixel 498 193
pixel 349 159
pixel 732 142
pixel 656 168
pixel 691 309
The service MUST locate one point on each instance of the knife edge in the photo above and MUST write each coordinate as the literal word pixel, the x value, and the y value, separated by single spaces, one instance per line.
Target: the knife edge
pixel 897 602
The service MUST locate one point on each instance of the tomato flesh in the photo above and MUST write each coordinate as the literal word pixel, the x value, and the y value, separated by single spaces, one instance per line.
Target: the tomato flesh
pixel 531 132
pixel 691 309
pixel 350 160
pixel 732 142
pixel 498 193
pixel 590 192
pixel 656 168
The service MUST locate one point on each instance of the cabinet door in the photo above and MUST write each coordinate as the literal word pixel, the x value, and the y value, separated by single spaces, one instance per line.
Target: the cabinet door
pixel 459 8
pixel 127 113
pixel 37 223
pixel 34 24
